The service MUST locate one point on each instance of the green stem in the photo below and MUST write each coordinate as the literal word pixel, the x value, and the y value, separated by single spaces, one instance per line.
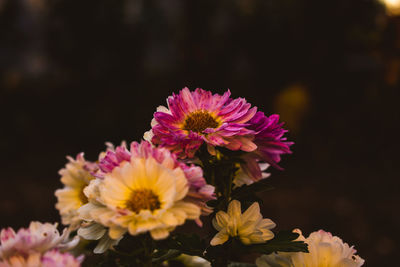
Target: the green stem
pixel 148 251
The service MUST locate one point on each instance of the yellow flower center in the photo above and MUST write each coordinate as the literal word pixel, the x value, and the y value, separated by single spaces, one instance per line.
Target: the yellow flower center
pixel 198 121
pixel 143 199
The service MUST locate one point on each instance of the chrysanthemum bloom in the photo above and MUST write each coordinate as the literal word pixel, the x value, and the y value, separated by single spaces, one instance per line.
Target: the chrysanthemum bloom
pixel 52 258
pixel 199 191
pixel 196 117
pixel 145 192
pixel 38 238
pixel 324 250
pixel 270 141
pixel 75 177
pixel 249 227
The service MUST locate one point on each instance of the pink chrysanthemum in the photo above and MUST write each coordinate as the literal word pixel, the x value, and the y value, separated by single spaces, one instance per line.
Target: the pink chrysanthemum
pixel 193 118
pixel 271 144
pixel 52 258
pixel 269 138
pixel 39 237
pixel 199 191
pixel 30 245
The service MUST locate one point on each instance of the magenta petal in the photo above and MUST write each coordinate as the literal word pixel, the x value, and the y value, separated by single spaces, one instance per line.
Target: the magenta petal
pixel 187 100
pixel 165 119
pixel 216 117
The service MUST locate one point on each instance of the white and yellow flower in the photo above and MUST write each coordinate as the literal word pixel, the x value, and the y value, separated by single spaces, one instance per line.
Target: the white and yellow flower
pixel 145 194
pixel 249 227
pixel 75 177
pixel 324 250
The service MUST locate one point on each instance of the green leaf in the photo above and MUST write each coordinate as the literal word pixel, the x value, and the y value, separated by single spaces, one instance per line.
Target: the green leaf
pixel 190 244
pixel 164 255
pixel 283 241
pixel 250 190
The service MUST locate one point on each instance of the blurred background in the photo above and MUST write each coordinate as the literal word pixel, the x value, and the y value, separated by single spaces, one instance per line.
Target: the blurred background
pixel 75 74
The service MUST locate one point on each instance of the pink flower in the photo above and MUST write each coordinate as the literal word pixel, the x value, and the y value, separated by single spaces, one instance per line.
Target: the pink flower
pixel 39 237
pixel 52 258
pixel 271 144
pixel 196 117
pixel 36 245
pixel 269 138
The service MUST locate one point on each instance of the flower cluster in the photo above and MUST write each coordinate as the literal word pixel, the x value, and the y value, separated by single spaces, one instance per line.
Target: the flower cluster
pixel 194 118
pixel 204 156
pixel 39 245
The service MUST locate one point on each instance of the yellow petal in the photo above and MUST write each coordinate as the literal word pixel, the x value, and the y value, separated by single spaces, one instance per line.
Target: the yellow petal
pixel 116 232
pixel 159 233
pixel 220 238
pixel 234 209
pixel 252 213
pixel 221 220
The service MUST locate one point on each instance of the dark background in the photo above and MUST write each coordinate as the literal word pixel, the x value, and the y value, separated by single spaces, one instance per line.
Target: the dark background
pixel 74 74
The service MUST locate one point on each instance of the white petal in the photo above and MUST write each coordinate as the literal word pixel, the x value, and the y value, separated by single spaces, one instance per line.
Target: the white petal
pixel 163 109
pixel 92 232
pixel 105 243
pixel 147 136
pixel 263 166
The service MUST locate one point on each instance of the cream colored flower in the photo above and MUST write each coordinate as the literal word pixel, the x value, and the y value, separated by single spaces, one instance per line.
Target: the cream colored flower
pixel 324 250
pixel 140 196
pixel 249 227
pixel 75 177
pixel 190 261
